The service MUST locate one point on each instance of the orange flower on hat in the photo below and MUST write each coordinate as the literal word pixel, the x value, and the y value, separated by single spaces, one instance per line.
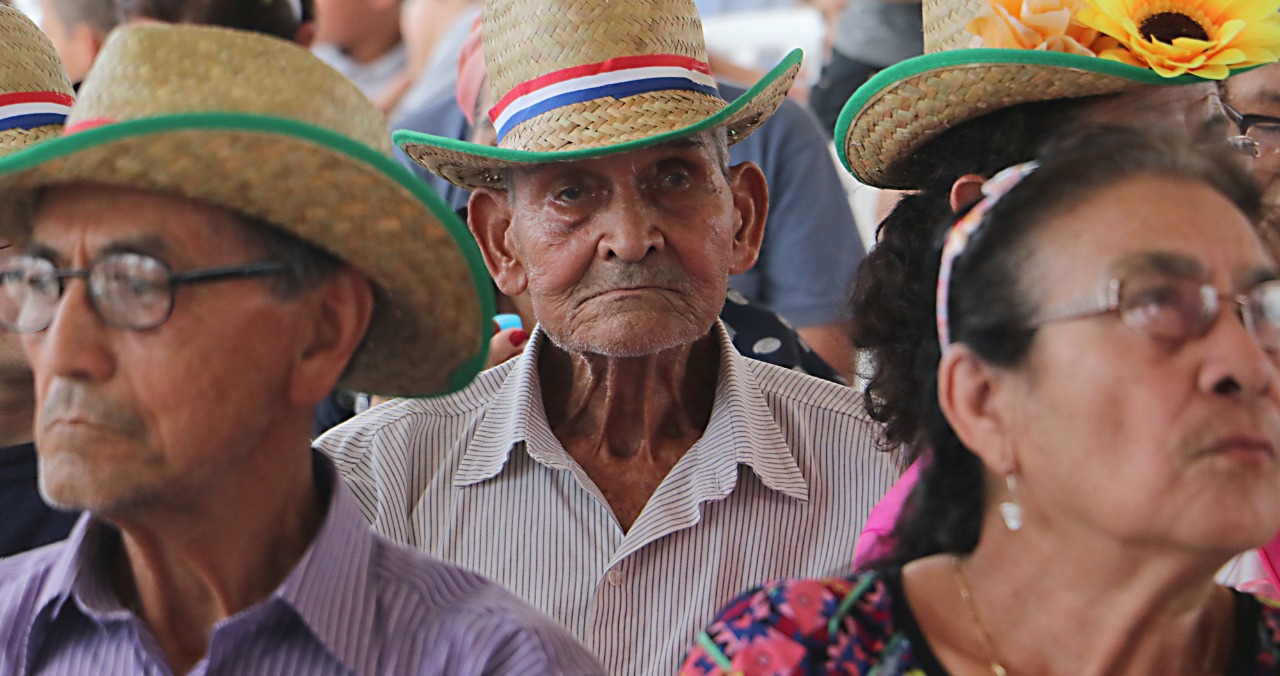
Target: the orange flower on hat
pixel 1033 24
pixel 1173 37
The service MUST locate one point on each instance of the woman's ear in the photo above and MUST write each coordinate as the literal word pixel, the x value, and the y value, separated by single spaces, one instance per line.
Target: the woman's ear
pixel 974 399
pixel 966 191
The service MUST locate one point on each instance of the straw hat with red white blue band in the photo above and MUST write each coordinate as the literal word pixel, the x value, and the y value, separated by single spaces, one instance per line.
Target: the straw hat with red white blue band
pixel 576 79
pixel 191 111
pixel 984 55
pixel 35 93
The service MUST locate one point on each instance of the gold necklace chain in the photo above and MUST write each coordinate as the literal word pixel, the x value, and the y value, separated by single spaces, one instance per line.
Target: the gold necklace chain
pixel 962 584
pixel 978 627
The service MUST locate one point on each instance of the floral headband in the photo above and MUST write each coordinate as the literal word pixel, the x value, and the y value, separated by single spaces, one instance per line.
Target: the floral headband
pixel 959 235
pixel 1207 38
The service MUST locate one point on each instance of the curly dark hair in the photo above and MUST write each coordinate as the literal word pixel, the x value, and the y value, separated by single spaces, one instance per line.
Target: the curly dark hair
pixel 892 297
pixel 991 308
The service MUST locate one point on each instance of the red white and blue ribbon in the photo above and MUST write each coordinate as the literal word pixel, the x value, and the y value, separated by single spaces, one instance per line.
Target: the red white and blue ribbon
pixel 619 78
pixel 28 110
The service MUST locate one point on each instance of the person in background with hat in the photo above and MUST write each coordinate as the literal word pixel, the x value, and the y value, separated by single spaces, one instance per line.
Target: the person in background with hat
pixel 1104 429
pixel 35 97
pixel 630 467
pixel 211 248
pixel 77 29
pixel 284 19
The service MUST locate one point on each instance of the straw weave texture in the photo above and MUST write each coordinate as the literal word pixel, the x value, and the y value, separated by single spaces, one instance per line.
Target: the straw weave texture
pixel 427 319
pixel 28 63
pixel 527 39
pixel 891 127
pixel 524 39
pixel 944 22
pixel 577 130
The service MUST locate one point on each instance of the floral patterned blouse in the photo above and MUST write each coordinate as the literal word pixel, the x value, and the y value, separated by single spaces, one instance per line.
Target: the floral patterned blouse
pixel 859 625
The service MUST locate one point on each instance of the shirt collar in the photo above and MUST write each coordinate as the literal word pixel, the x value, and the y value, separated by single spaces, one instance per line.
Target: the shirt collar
pixel 741 421
pixel 330 588
pixel 81 572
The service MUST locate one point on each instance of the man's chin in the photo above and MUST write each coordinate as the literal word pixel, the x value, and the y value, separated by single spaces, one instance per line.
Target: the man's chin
pixel 620 340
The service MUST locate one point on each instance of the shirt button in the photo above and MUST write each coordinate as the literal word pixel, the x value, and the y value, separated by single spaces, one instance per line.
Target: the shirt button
pixel 614 578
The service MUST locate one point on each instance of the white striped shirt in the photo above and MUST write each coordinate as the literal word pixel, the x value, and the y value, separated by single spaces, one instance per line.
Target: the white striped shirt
pixel 778 485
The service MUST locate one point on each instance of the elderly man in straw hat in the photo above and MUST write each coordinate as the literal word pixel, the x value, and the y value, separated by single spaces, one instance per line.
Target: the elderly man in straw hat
pixel 35 96
pixel 210 248
pixel 630 467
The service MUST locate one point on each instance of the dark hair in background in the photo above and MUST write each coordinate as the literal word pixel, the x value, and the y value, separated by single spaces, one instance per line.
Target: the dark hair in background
pixel 280 18
pixel 892 298
pixel 99 14
pixel 306 265
pixel 991 305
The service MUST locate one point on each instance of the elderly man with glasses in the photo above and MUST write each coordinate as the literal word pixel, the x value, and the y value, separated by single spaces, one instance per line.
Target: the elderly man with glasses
pixel 1252 102
pixel 180 297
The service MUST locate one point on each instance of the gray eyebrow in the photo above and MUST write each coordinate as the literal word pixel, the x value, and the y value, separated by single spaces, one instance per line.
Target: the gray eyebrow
pixel 1158 262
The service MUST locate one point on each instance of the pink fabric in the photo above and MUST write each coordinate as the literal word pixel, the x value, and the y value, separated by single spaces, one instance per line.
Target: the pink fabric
pixel 471 73
pixel 877 534
pixel 1270 555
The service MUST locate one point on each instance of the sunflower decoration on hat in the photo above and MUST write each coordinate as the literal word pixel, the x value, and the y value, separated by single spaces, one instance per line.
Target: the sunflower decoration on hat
pixel 983 55
pixel 577 79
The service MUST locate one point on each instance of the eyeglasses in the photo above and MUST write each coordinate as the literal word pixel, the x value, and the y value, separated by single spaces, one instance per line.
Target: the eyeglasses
pixel 1175 309
pixel 1259 134
pixel 128 290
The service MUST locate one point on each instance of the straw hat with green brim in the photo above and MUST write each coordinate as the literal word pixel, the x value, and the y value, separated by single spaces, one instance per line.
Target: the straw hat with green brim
pixel 261 127
pixel 890 117
pixel 578 79
pixel 35 93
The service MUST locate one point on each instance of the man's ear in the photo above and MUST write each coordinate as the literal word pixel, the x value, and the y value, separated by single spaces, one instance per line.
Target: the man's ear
pixel 751 204
pixel 974 397
pixel 966 191
pixel 489 215
pixel 342 306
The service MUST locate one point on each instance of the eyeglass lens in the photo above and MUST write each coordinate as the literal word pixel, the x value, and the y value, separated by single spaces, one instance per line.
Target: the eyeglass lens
pixel 1182 309
pixel 128 290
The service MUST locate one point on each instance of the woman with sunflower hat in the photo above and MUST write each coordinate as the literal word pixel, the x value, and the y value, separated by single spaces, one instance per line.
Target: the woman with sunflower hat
pixel 998 80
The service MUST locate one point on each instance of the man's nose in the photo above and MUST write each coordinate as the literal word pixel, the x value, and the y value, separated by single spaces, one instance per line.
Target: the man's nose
pixel 73 345
pixel 631 229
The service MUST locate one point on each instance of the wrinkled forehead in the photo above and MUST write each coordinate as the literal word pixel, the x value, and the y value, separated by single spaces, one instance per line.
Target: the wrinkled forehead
pixel 1149 224
pixel 1256 91
pixel 1194 108
pixel 701 148
pixel 90 219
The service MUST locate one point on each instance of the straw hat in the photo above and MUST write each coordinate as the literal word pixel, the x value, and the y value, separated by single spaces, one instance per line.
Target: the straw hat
pixel 961 76
pixel 575 79
pixel 35 93
pixel 260 126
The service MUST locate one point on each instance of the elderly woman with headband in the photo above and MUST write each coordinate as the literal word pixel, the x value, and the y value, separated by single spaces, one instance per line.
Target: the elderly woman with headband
pixel 1105 422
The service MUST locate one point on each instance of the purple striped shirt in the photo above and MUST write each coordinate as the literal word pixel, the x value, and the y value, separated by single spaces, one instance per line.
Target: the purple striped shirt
pixel 354 604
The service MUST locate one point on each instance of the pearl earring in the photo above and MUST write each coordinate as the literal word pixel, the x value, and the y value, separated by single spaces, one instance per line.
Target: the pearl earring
pixel 1010 510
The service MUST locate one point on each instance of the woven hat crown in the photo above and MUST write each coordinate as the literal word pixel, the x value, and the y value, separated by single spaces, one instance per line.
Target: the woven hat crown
pixel 28 64
pixel 524 39
pixel 223 71
pixel 944 24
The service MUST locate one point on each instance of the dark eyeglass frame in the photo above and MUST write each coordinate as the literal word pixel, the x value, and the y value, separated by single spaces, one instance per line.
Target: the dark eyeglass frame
pixel 173 281
pixel 1243 123
pixel 1109 301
